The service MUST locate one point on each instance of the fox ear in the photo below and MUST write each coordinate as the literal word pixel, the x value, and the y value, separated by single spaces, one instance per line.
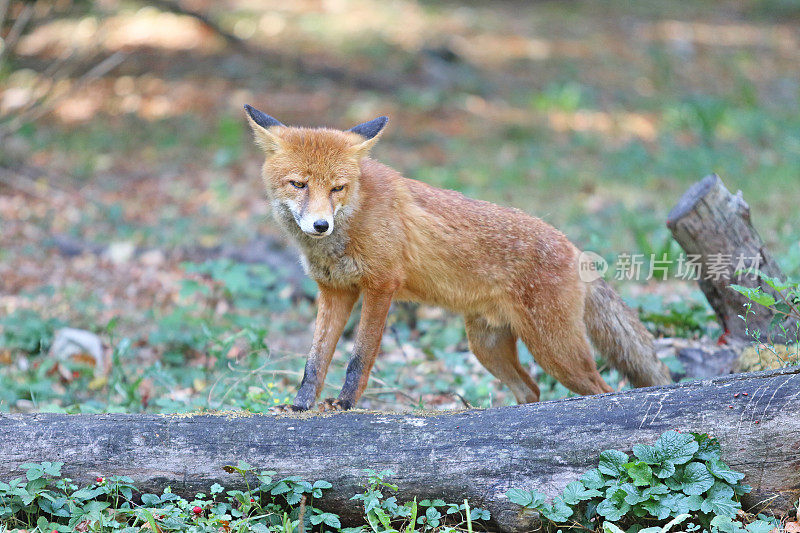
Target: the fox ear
pixel 261 123
pixel 369 133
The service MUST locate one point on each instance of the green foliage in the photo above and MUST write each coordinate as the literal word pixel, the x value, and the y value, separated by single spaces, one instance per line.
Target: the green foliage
pixel 50 502
pixel 680 476
pixel 228 139
pixel 687 318
pixel 133 385
pixel 247 286
pixel 784 302
pixel 195 325
pixel 386 515
pixel 568 96
pixel 27 331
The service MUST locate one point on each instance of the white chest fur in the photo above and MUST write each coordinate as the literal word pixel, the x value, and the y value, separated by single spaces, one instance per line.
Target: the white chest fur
pixel 330 268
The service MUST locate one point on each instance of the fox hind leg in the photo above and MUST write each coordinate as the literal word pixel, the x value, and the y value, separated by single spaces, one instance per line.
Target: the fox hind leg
pixel 563 351
pixel 496 349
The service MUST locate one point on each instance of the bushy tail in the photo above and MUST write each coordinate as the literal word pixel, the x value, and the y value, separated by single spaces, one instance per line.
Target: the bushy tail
pixel 620 337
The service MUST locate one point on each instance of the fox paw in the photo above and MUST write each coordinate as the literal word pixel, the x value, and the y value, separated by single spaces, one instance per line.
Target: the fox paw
pixel 286 408
pixel 332 404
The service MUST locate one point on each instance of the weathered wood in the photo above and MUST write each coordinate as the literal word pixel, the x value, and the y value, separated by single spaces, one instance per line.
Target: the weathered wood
pixel 714 225
pixel 701 358
pixel 705 358
pixel 476 454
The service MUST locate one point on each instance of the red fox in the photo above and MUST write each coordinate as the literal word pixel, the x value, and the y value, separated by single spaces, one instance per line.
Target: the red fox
pixel 363 229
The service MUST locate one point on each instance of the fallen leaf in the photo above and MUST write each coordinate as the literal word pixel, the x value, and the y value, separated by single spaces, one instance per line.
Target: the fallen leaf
pixel 198 384
pixel 98 383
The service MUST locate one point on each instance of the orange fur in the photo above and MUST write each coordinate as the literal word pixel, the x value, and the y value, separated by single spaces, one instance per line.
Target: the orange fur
pixel 510 274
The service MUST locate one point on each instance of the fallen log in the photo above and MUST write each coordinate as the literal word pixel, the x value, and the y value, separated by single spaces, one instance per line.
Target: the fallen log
pixel 475 454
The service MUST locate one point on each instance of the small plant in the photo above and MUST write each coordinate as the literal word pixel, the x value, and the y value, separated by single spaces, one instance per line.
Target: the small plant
pixel 386 515
pixel 45 500
pixel 783 337
pixel 687 319
pixel 27 331
pixel 678 478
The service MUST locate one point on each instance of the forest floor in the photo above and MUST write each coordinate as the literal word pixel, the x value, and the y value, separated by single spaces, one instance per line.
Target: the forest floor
pixel 133 208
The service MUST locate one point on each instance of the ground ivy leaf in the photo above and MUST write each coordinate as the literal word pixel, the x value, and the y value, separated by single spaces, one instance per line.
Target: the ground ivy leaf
pixel 657 509
pixel 760 526
pixel 519 496
pixel 575 492
pixel 676 502
pixel 720 470
pixel 677 448
pixel 632 494
pixel 593 479
pixel 537 499
pixel 675 482
pixel 611 462
pixel 640 472
pixel 719 500
pixel 611 510
pixel 615 491
pixel 707 447
pixel 655 489
pixel 648 454
pixel 694 502
pixel 558 511
pixel 720 506
pixel 696 479
pixel 724 524
pixel 665 470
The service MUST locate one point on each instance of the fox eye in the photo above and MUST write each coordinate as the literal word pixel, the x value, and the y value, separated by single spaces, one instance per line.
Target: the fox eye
pixel 298 184
pixel 337 188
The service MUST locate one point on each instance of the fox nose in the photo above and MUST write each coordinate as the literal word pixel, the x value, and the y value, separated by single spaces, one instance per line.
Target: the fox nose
pixel 321 226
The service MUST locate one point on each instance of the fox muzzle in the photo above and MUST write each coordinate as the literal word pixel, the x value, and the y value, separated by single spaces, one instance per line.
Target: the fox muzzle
pixel 315 226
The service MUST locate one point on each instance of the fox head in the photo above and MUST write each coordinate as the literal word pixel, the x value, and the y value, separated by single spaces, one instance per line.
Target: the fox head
pixel 312 174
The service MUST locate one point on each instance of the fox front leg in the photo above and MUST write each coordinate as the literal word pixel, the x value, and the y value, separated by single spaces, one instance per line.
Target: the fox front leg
pixel 368 342
pixel 334 308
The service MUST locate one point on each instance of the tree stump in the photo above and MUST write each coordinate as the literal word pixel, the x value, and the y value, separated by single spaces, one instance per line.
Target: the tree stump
pixel 714 227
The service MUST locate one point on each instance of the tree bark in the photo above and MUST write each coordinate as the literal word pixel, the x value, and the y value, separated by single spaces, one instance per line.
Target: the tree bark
pixel 714 226
pixel 475 454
